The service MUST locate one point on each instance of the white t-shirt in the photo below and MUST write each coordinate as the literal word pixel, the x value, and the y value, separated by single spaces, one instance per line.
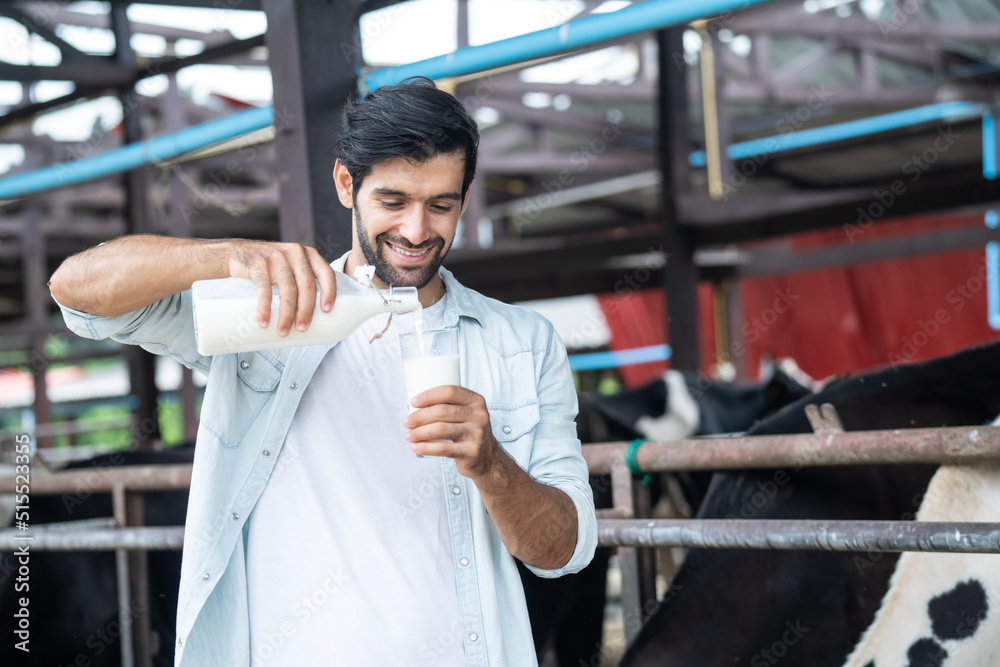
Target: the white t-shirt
pixel 349 558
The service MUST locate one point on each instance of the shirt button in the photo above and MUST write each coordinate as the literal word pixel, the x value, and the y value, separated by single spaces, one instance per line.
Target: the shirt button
pixel 179 643
pixel 266 452
pixel 473 636
pixel 293 386
pixel 464 561
pixel 205 576
pixel 506 429
pixel 456 490
pixel 244 365
pixel 236 516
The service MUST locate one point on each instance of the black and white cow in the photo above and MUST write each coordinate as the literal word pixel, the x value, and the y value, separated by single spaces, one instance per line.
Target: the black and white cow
pixel 73 595
pixel 943 609
pixel 736 607
pixel 567 614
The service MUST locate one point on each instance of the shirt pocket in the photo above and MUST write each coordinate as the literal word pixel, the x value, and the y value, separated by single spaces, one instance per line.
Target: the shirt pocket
pixel 230 418
pixel 513 427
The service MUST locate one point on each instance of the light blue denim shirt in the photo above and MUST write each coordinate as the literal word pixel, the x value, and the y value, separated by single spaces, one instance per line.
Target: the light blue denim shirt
pixel 510 355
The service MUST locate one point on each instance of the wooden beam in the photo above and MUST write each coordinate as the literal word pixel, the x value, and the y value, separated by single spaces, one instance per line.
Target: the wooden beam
pixel 312 79
pixel 955 189
pixel 784 259
pixel 39 26
pixel 902 27
pixel 681 274
pixel 578 162
pixel 88 74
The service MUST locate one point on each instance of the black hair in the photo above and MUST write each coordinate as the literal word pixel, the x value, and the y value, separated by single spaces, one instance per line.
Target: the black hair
pixel 413 119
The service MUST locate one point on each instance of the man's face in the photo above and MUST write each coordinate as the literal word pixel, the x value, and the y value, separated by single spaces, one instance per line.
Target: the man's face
pixel 405 217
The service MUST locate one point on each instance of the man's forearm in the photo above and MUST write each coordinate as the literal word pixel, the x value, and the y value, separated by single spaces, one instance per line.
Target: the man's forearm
pixel 132 272
pixel 537 522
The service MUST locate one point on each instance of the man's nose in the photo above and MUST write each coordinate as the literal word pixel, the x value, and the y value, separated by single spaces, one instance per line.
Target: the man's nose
pixel 415 226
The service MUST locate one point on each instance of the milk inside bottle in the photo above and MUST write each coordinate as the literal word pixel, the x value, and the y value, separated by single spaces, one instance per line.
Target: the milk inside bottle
pixel 225 314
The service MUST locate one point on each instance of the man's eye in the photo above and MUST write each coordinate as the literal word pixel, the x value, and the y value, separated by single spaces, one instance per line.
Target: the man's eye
pixel 441 209
pixel 392 204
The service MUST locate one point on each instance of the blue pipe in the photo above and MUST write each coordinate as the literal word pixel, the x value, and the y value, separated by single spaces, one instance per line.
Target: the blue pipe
pixel 989 146
pixel 993 284
pixel 949 111
pixel 589 30
pixel 638 355
pixel 133 156
pixel 993 274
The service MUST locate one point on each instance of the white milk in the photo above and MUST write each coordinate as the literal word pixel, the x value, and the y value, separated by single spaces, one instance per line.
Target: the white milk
pixel 425 373
pixel 418 324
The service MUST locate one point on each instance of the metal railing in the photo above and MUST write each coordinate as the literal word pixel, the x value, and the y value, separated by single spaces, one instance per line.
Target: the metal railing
pixel 622 525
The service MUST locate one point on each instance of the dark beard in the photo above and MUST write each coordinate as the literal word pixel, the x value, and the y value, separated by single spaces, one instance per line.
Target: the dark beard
pixel 390 275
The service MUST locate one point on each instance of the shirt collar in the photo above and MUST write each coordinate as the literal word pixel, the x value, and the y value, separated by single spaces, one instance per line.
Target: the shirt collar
pixel 460 305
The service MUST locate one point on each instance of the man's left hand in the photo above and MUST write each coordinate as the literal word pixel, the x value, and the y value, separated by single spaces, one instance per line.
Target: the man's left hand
pixel 536 522
pixel 454 413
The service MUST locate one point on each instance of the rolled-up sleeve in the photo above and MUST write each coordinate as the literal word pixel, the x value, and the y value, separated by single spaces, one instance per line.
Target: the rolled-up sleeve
pixel 165 327
pixel 556 457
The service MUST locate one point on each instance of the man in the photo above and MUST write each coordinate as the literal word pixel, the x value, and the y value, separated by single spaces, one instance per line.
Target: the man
pixel 314 536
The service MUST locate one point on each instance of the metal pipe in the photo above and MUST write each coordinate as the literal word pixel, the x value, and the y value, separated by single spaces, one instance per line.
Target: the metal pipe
pixel 104 479
pixel 875 536
pixel 868 536
pixel 636 355
pixel 140 154
pixel 586 31
pixel 989 146
pixel 965 444
pixel 944 111
pixel 147 538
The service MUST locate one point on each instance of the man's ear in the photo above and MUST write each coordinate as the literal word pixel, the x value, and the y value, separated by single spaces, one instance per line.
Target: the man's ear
pixel 465 202
pixel 345 184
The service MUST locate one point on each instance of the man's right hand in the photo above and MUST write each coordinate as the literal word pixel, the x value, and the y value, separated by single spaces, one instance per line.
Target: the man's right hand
pixel 295 269
pixel 132 272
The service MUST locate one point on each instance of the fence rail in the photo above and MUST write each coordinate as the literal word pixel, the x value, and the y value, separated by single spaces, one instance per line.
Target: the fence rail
pixel 955 445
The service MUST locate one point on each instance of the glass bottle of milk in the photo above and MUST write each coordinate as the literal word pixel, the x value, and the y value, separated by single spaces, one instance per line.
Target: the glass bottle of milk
pixel 225 314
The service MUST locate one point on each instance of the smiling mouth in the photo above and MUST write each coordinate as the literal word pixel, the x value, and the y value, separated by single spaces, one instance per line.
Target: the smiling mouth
pixel 409 253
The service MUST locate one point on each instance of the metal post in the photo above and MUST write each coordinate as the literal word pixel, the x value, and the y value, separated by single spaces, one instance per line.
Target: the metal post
pixel 138 572
pixel 142 365
pixel 628 557
pixel 680 273
pixel 122 569
pixel 134 615
pixel 312 57
pixel 35 277
pixel 173 113
pixel 646 556
pixel 474 209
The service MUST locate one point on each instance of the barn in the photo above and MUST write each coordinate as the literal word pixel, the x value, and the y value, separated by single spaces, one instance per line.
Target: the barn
pixel 762 234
